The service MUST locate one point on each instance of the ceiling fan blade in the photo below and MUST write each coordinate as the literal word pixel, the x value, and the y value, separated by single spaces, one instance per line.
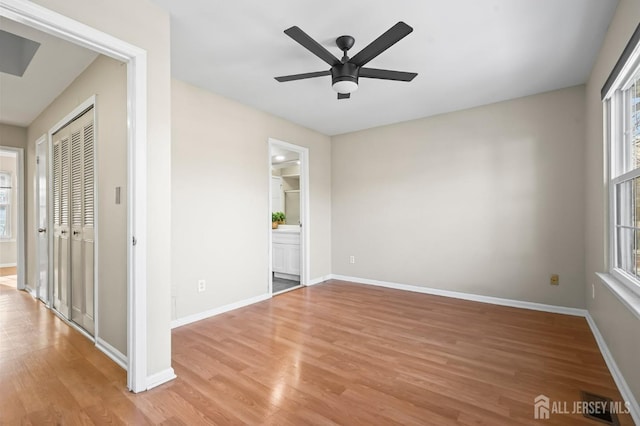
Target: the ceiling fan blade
pixel 387 74
pixel 344 95
pixel 382 43
pixel 302 76
pixel 313 46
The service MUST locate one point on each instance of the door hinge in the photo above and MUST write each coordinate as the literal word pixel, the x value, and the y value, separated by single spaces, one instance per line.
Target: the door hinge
pixel 134 241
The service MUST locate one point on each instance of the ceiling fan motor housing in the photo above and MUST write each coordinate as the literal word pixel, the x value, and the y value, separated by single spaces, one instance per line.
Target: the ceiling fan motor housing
pixel 346 72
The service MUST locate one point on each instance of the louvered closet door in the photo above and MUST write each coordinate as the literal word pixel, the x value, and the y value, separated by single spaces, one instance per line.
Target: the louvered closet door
pixel 82 232
pixel 60 165
pixel 74 207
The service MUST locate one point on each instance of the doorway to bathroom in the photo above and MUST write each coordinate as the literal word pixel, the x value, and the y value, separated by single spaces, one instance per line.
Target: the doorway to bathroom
pixel 288 205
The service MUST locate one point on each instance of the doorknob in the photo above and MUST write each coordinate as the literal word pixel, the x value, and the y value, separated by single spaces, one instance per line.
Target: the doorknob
pixel 76 233
pixel 63 232
pixel 41 230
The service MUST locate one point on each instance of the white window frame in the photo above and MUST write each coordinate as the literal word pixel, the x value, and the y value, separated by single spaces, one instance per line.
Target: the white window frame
pixel 9 206
pixel 614 114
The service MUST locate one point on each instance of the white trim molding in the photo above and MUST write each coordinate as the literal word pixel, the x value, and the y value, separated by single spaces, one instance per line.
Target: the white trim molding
pixel 318 280
pixel 160 378
pixel 305 210
pixel 623 387
pixel 84 106
pixel 629 298
pixel 44 140
pixel 115 355
pixel 7 265
pixel 217 311
pixel 50 22
pixel 467 296
pixel 19 239
pixel 236 305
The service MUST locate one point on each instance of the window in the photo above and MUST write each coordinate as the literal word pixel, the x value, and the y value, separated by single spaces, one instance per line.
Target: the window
pixel 621 97
pixel 5 205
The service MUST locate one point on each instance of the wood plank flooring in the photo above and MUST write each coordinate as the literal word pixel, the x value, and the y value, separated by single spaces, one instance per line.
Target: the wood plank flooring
pixel 9 277
pixel 8 270
pixel 335 353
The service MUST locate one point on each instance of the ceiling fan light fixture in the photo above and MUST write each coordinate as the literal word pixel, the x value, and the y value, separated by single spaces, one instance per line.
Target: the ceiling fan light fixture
pixel 344 78
pixel 346 71
pixel 345 86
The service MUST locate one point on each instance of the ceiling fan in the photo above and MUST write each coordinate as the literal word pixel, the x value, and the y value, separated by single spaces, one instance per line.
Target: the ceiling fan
pixel 346 71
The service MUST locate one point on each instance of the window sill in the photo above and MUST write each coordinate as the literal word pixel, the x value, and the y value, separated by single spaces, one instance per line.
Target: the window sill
pixel 628 297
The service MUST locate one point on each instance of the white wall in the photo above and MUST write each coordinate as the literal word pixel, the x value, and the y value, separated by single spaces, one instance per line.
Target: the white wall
pixel 220 199
pixel 107 79
pixel 486 201
pixel 620 329
pixel 146 25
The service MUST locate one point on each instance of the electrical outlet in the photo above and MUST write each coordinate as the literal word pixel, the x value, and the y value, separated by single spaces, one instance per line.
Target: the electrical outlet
pixel 202 285
pixel 352 259
pixel 555 279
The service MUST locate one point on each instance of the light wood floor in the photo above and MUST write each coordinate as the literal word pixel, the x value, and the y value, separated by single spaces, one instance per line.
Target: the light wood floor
pixel 9 281
pixel 8 270
pixel 335 353
pixel 8 276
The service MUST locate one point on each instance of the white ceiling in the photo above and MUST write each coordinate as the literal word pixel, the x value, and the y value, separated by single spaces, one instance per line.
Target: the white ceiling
pixel 289 157
pixel 55 65
pixel 466 53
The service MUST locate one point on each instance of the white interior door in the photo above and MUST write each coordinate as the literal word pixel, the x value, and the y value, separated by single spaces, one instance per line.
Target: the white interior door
pixel 82 215
pixel 61 223
pixel 42 289
pixel 277 201
pixel 73 218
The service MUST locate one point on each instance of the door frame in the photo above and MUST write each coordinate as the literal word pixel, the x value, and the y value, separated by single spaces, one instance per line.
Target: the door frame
pixel 36 216
pixel 305 234
pixel 20 224
pixel 68 119
pixel 68 29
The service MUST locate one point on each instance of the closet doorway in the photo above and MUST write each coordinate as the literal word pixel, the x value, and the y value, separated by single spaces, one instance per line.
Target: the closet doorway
pixel 73 193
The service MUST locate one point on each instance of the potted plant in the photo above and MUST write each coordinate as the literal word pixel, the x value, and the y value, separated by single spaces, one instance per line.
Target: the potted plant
pixel 277 218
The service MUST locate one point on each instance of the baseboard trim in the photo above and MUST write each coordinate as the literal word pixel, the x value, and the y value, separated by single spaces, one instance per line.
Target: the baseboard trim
pixel 8 265
pixel 318 280
pixel 160 378
pixel 623 387
pixel 217 311
pixel 230 307
pixel 115 355
pixel 467 296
